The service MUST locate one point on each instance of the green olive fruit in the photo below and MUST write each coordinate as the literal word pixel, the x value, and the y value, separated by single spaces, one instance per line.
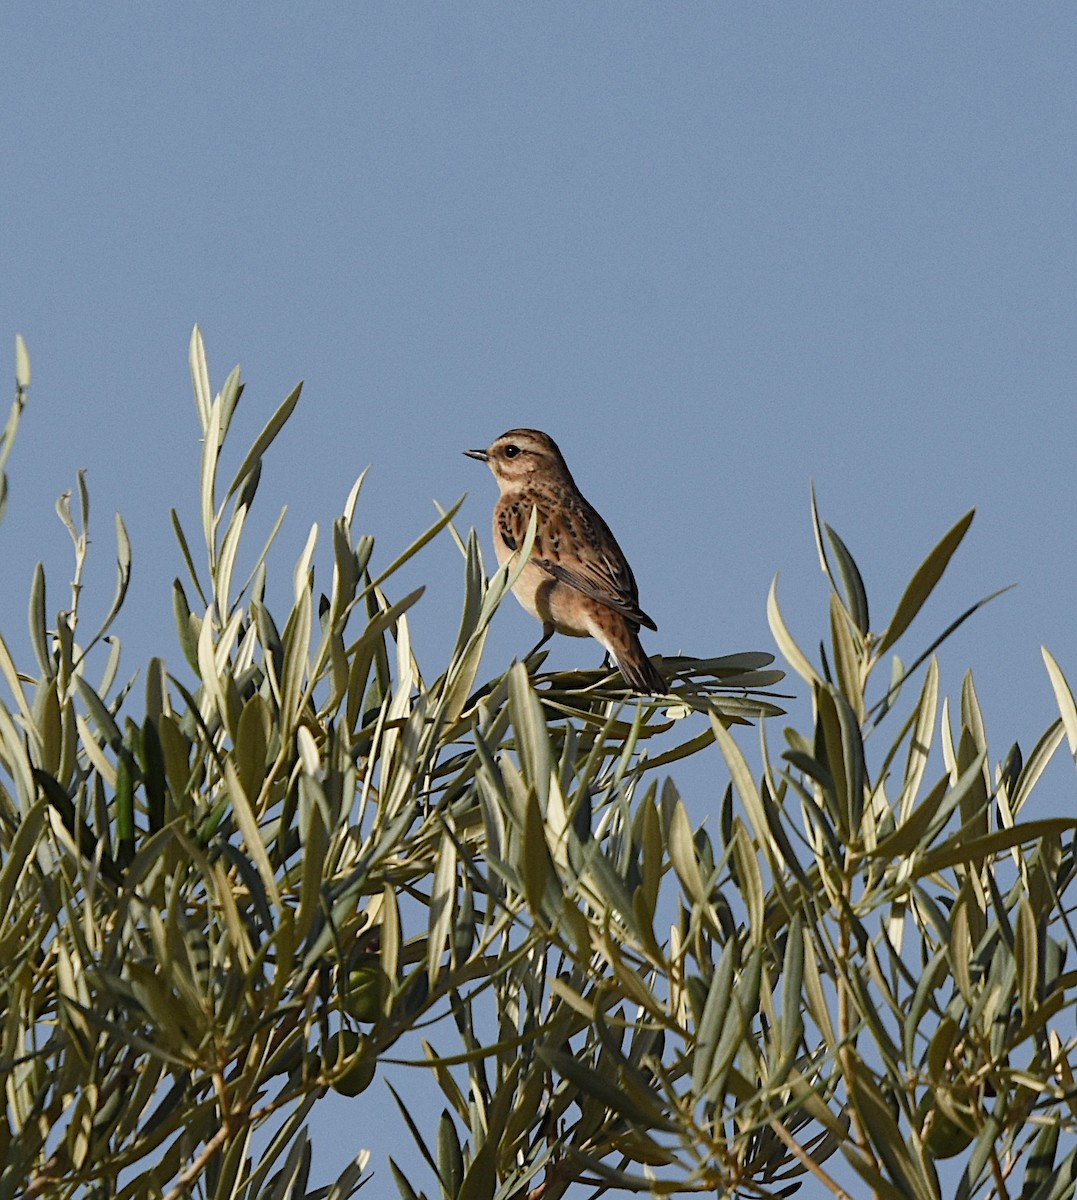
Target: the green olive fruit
pixel 943 1136
pixel 346 1057
pixel 364 997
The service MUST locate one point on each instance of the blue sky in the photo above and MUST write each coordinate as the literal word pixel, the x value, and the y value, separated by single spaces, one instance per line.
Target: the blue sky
pixel 716 250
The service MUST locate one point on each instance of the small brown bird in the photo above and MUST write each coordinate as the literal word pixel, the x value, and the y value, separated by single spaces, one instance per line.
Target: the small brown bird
pixel 577 581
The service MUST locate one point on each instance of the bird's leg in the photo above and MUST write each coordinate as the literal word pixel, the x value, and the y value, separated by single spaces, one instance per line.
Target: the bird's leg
pixel 547 632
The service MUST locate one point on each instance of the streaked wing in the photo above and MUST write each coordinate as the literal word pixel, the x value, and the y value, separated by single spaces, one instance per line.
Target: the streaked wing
pixel 580 550
pixel 576 547
pixel 600 580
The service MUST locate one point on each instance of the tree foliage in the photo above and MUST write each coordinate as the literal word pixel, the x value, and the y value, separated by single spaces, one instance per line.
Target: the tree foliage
pixel 228 888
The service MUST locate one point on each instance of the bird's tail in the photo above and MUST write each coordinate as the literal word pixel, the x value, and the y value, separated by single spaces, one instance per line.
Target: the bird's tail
pixel 641 675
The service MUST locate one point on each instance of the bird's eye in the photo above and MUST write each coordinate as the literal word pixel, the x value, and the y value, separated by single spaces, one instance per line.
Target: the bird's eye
pixel 511 451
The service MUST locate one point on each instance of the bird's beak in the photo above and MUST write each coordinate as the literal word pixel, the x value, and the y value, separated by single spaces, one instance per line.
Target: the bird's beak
pixel 481 455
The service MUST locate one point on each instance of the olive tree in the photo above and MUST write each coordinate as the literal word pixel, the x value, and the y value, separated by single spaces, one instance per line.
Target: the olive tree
pixel 230 885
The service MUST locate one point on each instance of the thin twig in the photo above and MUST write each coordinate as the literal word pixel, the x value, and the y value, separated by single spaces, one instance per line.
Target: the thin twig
pixel 806 1160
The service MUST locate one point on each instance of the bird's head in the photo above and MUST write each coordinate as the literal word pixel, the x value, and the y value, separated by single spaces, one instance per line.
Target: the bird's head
pixel 522 457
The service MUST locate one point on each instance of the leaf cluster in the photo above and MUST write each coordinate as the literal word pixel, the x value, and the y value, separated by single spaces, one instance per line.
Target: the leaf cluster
pixel 229 888
pixel 296 860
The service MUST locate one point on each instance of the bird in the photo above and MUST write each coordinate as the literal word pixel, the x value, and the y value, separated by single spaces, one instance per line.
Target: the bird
pixel 577 580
